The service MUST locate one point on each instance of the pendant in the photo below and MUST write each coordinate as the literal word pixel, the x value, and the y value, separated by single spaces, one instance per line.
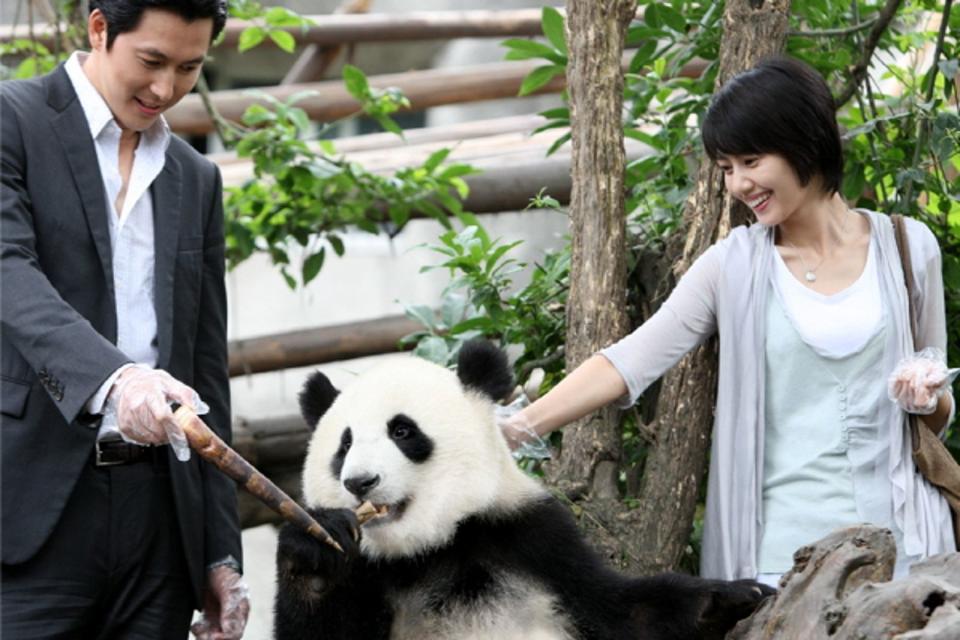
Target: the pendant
pixel 810 276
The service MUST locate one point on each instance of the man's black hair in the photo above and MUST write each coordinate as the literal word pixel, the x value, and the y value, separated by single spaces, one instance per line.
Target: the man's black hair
pixel 780 106
pixel 124 15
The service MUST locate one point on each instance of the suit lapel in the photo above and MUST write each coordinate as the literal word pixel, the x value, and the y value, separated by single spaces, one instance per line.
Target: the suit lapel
pixel 166 229
pixel 73 132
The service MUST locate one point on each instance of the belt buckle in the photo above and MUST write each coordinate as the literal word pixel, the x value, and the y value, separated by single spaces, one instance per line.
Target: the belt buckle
pixel 100 462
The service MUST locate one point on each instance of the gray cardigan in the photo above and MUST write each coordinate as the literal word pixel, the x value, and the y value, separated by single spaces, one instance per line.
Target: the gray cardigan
pixel 726 290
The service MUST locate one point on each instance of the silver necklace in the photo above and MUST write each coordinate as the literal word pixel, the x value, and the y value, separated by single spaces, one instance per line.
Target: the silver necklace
pixel 810 275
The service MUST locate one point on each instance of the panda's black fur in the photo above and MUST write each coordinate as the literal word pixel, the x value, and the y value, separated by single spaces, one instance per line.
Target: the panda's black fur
pixel 503 568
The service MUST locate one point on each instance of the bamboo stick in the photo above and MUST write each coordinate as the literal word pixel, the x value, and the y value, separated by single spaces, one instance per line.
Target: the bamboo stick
pixel 213 449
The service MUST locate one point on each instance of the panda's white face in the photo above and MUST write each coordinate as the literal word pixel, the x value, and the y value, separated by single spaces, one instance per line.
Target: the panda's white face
pixel 406 435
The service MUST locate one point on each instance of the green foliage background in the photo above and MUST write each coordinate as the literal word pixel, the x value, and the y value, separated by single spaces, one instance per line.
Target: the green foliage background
pixel 901 134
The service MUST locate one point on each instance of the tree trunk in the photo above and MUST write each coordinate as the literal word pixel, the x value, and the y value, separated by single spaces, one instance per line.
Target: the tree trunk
pixel 596 307
pixel 676 460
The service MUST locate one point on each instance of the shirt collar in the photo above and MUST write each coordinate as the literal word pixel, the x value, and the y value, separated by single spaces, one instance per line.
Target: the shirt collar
pixel 95 108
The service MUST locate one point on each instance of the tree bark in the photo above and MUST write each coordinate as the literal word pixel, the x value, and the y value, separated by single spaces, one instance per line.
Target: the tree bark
pixel 596 306
pixel 676 459
pixel 839 589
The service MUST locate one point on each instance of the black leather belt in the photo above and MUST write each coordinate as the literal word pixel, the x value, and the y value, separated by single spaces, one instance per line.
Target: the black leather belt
pixel 110 453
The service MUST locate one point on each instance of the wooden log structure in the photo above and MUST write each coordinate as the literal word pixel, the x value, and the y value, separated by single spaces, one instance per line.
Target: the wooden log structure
pixel 371 27
pixel 424 89
pixel 840 588
pixel 319 345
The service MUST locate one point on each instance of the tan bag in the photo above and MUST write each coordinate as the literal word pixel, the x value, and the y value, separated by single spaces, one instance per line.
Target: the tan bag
pixel 931 456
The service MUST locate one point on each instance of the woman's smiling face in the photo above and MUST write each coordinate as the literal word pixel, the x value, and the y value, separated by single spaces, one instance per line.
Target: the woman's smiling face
pixel 767 184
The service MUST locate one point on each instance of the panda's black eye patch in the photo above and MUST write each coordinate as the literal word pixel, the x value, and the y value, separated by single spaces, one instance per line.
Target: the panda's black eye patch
pixel 336 463
pixel 408 437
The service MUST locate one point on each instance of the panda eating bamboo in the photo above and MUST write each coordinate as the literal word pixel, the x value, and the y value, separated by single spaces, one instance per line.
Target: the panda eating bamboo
pixel 463 545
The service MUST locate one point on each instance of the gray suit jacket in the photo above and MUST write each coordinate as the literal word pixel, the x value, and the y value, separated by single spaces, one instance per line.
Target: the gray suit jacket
pixel 57 343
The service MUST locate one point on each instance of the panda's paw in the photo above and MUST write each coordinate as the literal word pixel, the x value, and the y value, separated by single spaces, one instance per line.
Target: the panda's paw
pixel 308 567
pixel 726 603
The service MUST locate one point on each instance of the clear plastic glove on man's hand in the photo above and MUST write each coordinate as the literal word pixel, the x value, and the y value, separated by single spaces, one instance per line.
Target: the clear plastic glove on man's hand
pixel 225 608
pixel 918 381
pixel 141 399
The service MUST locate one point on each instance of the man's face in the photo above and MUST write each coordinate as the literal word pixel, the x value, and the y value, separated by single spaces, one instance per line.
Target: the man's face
pixel 149 69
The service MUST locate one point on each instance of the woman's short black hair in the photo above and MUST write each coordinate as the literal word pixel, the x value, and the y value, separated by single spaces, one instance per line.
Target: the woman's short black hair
pixel 123 16
pixel 780 106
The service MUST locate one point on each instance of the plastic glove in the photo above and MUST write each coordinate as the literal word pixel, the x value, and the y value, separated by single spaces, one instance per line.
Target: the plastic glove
pixel 918 381
pixel 141 398
pixel 225 608
pixel 521 437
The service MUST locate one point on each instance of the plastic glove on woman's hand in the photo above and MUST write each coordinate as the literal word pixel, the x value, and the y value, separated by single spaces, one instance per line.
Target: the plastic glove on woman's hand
pixel 918 381
pixel 141 399
pixel 520 435
pixel 225 608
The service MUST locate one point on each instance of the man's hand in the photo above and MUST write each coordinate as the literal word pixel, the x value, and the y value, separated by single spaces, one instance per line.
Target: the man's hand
pixel 141 400
pixel 225 607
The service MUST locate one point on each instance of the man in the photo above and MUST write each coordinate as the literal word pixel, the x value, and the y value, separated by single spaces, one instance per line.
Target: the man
pixel 113 306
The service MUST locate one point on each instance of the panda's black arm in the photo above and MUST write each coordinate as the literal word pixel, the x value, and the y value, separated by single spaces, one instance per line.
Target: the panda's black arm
pixel 323 593
pixel 544 541
pixel 345 613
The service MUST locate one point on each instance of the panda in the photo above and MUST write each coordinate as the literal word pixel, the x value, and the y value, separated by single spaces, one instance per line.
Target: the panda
pixel 469 547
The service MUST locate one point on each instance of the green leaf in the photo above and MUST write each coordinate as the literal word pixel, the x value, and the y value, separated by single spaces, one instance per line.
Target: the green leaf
pixel 560 113
pixel 435 159
pixel 288 278
pixel 356 82
pixel 553 28
pixel 283 40
pixel 453 309
pixel 433 349
pixel 455 171
pixel 672 18
pixel 336 243
pixel 313 264
pixel 539 77
pixel 251 37
pixel 553 124
pixel 257 114
pixel 300 119
pixel 651 15
pixel 522 49
pixel 389 124
pixel 422 314
pixel 282 17
pixel 559 142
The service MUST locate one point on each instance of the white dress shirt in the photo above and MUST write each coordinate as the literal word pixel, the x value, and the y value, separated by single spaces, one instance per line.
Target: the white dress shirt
pixel 131 230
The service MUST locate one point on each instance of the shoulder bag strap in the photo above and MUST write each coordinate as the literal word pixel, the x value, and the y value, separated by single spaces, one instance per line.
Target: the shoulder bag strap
pixel 903 248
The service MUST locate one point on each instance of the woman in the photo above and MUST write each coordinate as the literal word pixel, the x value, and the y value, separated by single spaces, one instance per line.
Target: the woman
pixel 812 318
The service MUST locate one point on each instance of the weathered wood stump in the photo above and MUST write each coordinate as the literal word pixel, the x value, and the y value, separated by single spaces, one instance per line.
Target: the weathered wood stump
pixel 840 588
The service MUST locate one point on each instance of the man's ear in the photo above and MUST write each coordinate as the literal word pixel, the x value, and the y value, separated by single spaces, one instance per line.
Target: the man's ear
pixel 97 30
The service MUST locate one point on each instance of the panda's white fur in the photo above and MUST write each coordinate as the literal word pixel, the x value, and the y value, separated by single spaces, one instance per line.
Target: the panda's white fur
pixel 480 551
pixel 468 446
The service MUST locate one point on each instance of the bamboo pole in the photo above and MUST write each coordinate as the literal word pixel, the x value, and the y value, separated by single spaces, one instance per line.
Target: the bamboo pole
pixel 213 449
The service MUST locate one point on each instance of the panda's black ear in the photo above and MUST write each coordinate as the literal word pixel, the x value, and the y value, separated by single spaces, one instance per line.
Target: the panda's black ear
pixel 317 395
pixel 483 367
